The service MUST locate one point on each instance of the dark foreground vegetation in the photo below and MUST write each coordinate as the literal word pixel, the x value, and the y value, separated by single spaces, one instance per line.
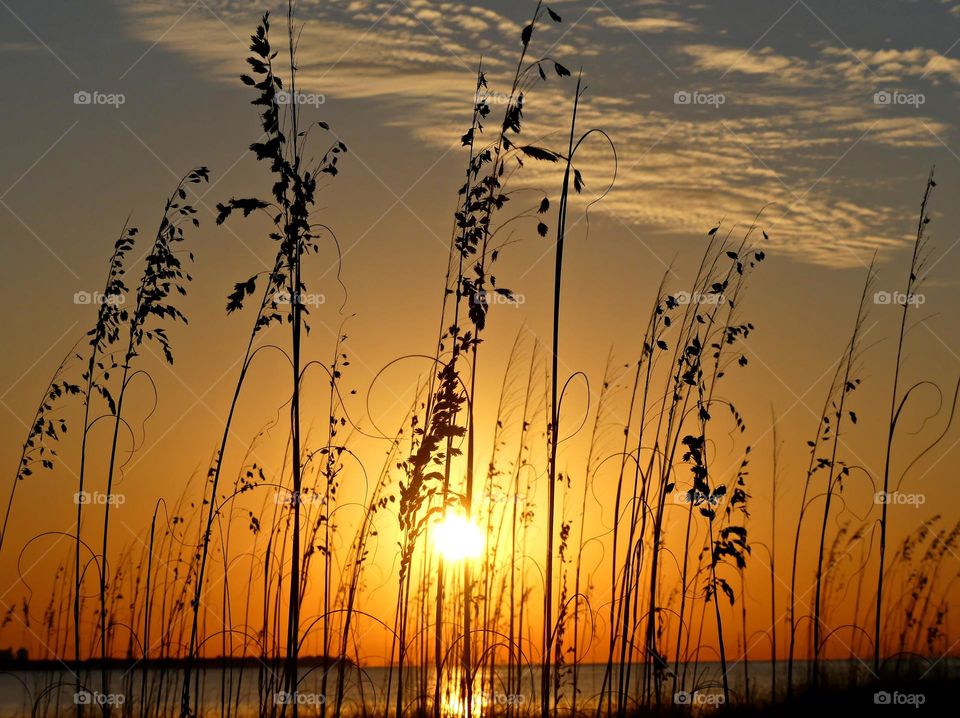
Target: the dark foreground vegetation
pixel 669 596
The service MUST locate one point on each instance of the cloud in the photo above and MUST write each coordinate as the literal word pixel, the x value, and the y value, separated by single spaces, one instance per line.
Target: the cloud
pixel 685 175
pixel 763 61
pixel 861 67
pixel 784 140
pixel 892 65
pixel 647 24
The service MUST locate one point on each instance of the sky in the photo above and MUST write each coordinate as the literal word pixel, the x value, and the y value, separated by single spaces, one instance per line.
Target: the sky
pixel 824 117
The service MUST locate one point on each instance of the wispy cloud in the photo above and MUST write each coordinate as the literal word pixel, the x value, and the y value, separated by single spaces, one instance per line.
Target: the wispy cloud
pixel 759 61
pixel 784 137
pixel 647 24
pixel 896 65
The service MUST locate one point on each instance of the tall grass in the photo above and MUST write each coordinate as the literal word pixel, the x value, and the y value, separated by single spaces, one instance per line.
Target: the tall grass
pixel 296 234
pixel 651 594
pixel 105 334
pixel 827 434
pixel 162 276
pixel 897 402
pixel 836 469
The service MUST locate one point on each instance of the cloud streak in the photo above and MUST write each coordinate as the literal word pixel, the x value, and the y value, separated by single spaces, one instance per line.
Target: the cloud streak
pixel 783 139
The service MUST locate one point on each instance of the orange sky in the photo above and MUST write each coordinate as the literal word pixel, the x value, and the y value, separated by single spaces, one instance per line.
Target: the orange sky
pixel 799 132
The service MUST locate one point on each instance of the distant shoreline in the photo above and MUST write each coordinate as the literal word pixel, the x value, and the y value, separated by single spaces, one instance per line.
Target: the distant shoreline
pixel 53 664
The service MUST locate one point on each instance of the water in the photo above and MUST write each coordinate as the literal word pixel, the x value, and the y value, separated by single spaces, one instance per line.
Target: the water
pixel 53 693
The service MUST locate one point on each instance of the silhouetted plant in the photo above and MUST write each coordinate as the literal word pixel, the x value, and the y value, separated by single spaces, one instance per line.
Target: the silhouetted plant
pixel 100 362
pixel 163 277
pixel 43 433
pixel 897 402
pixel 836 469
pixel 290 207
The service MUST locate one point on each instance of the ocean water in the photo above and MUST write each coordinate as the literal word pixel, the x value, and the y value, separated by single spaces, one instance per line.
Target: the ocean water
pixel 373 690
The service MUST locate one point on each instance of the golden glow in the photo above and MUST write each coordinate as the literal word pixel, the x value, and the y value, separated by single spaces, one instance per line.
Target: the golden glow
pixel 456 538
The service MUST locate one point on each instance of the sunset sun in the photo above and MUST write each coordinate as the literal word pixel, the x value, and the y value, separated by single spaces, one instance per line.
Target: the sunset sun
pixel 456 538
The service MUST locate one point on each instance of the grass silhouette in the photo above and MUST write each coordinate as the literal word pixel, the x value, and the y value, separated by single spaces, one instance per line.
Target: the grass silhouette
pixel 533 625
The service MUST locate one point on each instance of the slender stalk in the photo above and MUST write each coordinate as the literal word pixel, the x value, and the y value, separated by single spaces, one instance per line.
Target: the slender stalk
pixel 835 475
pixel 773 557
pixel 555 421
pixel 912 280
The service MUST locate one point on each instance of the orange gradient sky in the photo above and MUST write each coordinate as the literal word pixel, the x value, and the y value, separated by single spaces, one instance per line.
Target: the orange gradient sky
pixel 799 134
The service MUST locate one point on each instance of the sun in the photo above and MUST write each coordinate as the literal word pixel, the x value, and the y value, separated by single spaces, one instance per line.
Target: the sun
pixel 457 539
